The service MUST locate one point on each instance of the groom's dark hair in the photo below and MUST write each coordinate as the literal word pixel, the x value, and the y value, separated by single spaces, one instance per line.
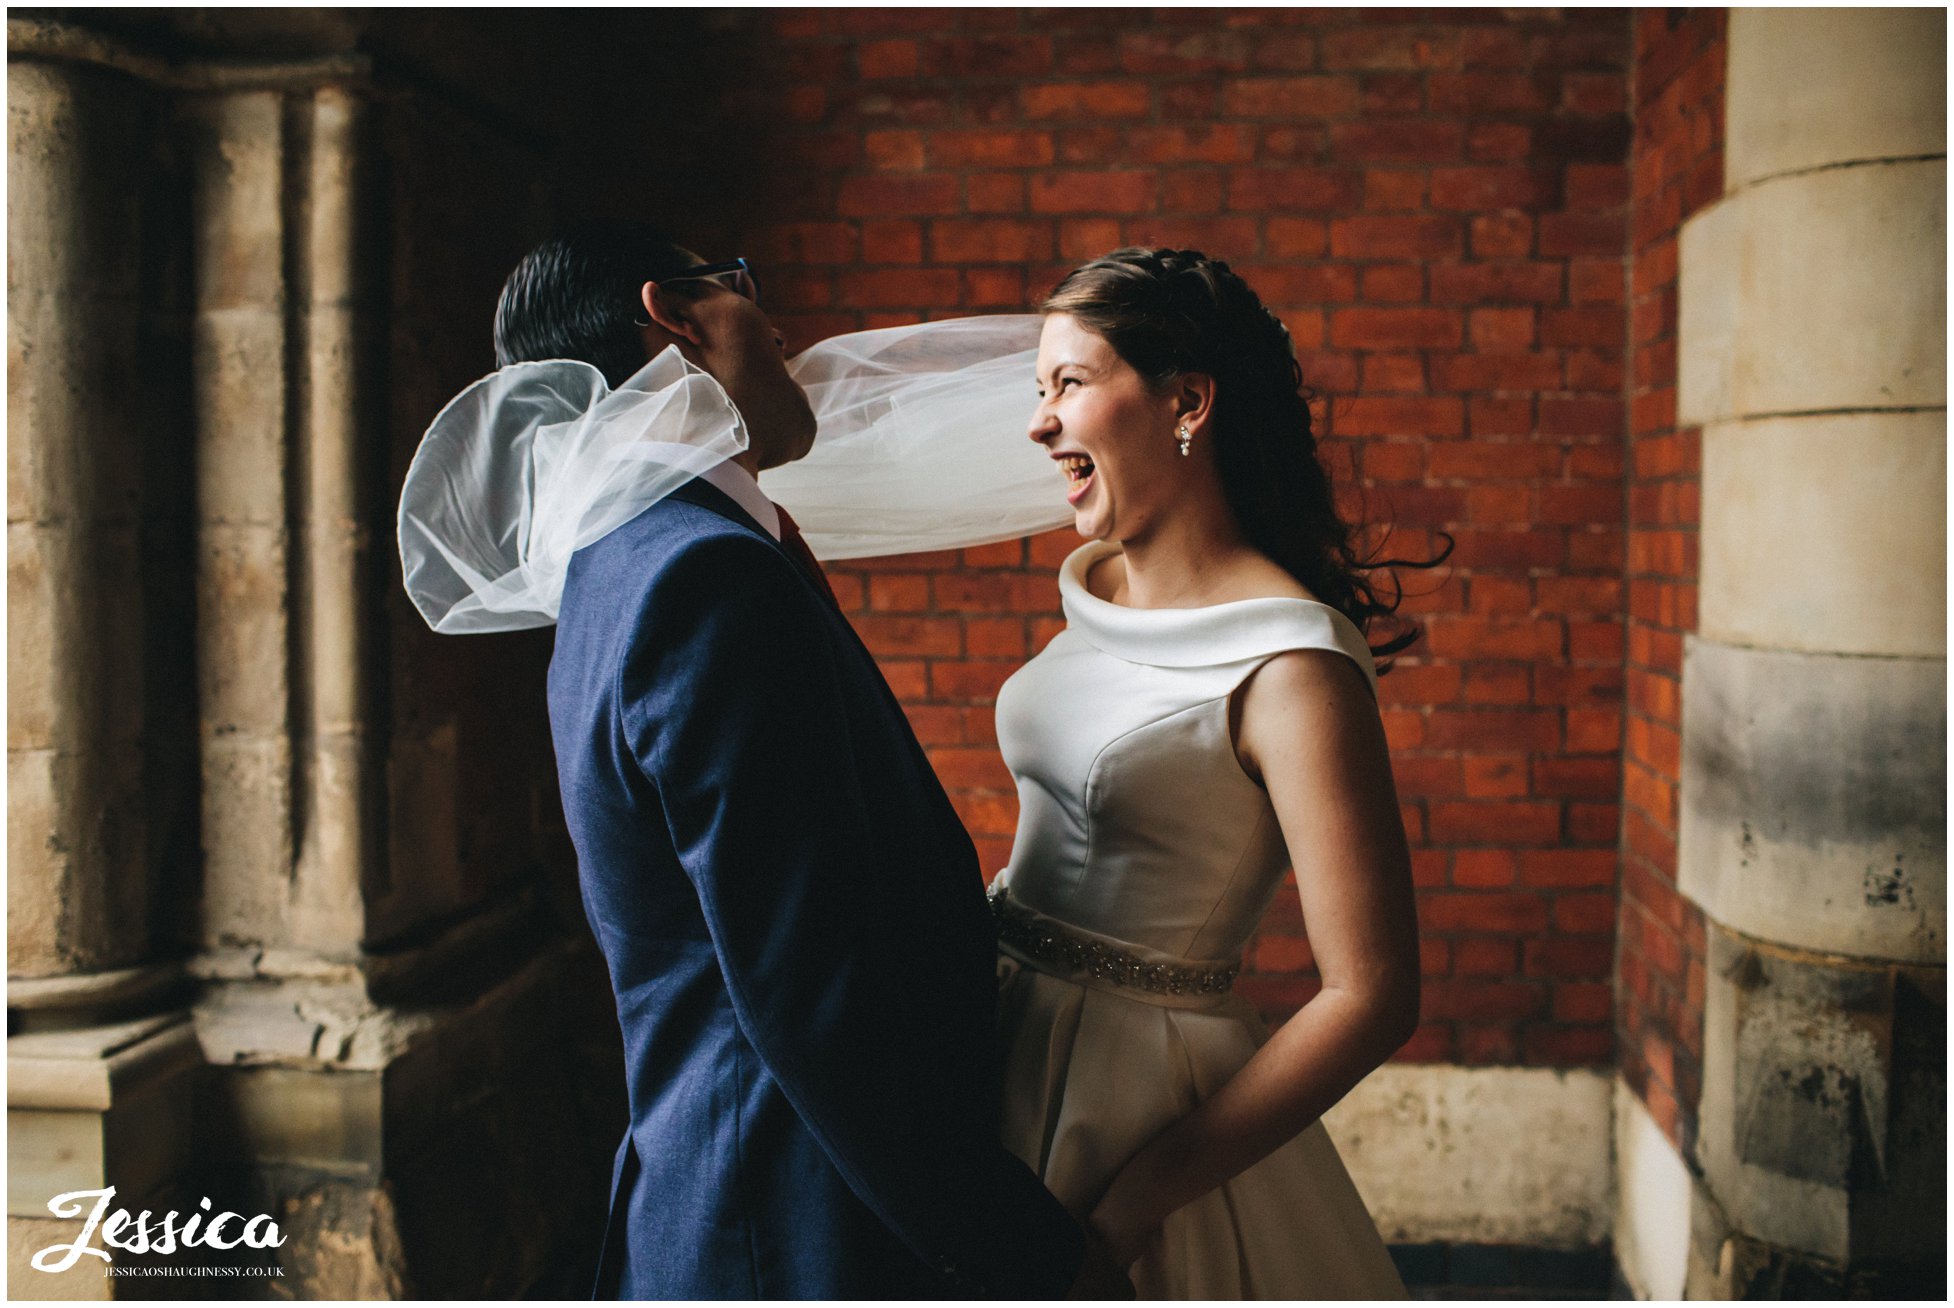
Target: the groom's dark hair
pixel 575 296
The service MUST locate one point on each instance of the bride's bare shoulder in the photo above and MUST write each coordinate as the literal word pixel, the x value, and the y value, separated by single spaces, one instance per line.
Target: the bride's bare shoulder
pixel 1260 577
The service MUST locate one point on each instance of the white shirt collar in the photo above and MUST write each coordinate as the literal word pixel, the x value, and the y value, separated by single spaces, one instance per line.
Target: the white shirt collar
pixel 745 491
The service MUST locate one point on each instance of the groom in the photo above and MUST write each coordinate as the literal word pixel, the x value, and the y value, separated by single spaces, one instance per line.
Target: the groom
pixel 790 910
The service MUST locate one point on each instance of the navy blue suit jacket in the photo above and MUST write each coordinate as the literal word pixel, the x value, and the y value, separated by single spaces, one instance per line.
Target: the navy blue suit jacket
pixel 795 927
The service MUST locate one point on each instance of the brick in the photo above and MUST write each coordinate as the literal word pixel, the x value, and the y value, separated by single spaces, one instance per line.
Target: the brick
pixel 1281 285
pixel 823 243
pixel 1498 236
pixel 1494 47
pixel 992 638
pixel 1490 93
pixel 1202 143
pixel 1395 329
pixel 994 192
pixel 1493 329
pixel 1488 1043
pixel 935 724
pixel 989 148
pixel 1496 637
pixel 1585 779
pixel 1303 97
pixel 896 151
pixel 1091 145
pixel 1371 49
pixel 1325 189
pixel 970 769
pixel 1484 869
pixel 1589 326
pixel 1232 238
pixel 1426 415
pixel 1409 140
pixel 990 240
pixel 1087 238
pixel 968 680
pixel 1504 370
pixel 1495 685
pixel 1475 189
pixel 1556 868
pixel 1104 192
pixel 887 288
pixel 1569 1047
pixel 1522 281
pixel 1070 100
pixel 1003 554
pixel 1585 913
pixel 1295 238
pixel 1485 999
pixel 1390 93
pixel 1394 189
pixel 874 197
pixel 1577 958
pixel 1482 911
pixel 897 240
pixel 1485 956
pixel 1578 505
pixel 901 593
pixel 994 288
pixel 1191 191
pixel 1295 51
pixel 1516 822
pixel 1492 729
pixel 1395 236
pixel 1496 778
pixel 1431 1043
pixel 1185 52
pixel 1579 233
pixel 1593 93
pixel 1018 56
pixel 1291 142
pixel 1383 374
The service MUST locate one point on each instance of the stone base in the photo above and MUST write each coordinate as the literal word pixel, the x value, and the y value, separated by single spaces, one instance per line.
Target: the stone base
pixel 461 1151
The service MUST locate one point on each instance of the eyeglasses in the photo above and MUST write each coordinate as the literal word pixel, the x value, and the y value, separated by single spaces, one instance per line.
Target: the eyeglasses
pixel 738 270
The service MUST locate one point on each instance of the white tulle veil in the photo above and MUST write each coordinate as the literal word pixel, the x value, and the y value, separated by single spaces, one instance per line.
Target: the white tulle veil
pixel 920 445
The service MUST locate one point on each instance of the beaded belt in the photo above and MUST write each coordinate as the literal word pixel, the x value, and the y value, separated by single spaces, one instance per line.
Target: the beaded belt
pixel 1039 937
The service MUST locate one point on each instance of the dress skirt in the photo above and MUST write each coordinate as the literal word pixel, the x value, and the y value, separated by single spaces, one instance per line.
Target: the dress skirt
pixel 1093 1071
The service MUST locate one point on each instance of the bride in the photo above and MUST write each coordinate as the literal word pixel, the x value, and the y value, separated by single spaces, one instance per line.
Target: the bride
pixel 1205 721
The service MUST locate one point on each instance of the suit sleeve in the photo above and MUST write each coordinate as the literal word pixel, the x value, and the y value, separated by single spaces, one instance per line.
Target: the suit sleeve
pixel 733 706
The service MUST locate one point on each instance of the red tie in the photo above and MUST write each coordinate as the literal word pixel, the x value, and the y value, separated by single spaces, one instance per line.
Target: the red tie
pixel 790 536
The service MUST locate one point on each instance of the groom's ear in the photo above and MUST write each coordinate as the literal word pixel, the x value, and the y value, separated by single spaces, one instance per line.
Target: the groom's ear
pixel 671 312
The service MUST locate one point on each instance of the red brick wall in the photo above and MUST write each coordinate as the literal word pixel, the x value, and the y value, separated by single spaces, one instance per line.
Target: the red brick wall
pixel 1436 203
pixel 1677 168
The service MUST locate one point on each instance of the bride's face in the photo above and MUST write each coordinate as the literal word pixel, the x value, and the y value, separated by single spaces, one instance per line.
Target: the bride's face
pixel 1112 434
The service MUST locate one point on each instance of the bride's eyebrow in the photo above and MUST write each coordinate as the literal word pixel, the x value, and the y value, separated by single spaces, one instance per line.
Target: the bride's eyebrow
pixel 1062 365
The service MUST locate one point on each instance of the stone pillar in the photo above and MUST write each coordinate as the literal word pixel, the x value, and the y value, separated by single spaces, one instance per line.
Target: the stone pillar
pixel 100 1044
pixel 1812 354
pixel 411 1070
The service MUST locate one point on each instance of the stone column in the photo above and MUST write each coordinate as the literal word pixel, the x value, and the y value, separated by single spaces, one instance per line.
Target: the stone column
pixel 1812 353
pixel 412 1071
pixel 99 1039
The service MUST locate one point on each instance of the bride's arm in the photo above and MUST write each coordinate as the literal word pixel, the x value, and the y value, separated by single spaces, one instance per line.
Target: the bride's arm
pixel 1309 730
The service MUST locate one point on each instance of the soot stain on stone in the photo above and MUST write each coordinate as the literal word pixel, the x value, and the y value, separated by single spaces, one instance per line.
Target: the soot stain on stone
pixel 1883 887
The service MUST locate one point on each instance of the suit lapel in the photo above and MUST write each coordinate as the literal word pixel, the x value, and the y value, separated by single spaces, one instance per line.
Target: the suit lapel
pixel 708 496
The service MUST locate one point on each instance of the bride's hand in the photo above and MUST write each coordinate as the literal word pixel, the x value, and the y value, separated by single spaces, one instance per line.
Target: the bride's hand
pixel 1121 1227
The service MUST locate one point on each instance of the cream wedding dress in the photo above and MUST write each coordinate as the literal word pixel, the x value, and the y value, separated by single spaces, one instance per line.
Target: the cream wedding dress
pixel 1144 860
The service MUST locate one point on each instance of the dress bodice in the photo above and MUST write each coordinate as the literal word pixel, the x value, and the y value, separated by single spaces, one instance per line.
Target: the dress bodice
pixel 1136 820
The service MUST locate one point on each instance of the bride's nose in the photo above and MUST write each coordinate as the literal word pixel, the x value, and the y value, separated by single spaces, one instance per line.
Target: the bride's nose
pixel 1044 425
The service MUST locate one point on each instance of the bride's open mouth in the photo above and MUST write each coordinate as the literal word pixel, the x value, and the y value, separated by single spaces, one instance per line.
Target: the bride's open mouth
pixel 1079 469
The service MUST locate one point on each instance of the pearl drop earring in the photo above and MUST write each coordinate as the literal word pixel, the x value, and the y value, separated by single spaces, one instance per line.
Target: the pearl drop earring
pixel 1185 437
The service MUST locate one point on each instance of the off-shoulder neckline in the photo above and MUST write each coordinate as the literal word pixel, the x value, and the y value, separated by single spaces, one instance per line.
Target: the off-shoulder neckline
pixel 1209 635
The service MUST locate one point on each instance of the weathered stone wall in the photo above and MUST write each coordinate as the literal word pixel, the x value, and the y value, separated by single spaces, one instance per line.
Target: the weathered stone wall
pixel 1811 351
pixel 239 288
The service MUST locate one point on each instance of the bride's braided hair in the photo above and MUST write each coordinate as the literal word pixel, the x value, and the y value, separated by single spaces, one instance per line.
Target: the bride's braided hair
pixel 1169 312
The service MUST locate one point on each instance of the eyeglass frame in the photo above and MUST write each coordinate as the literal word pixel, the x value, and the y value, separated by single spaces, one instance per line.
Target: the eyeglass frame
pixel 745 283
